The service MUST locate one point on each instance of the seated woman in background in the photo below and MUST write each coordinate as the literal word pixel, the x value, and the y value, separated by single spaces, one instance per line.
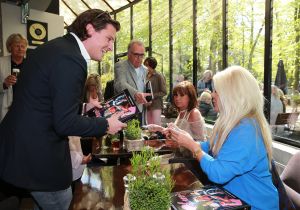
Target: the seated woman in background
pixel 205 106
pixel 189 117
pixel 205 83
pixel 238 155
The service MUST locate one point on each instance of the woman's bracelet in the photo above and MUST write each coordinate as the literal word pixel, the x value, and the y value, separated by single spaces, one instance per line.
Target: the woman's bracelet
pixel 197 152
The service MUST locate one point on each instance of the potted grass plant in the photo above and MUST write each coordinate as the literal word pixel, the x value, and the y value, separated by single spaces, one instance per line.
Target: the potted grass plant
pixel 133 136
pixel 151 187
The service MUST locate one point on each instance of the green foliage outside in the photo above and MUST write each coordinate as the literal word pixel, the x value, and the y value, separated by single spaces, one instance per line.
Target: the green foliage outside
pixel 133 130
pixel 246 36
pixel 148 192
pixel 296 99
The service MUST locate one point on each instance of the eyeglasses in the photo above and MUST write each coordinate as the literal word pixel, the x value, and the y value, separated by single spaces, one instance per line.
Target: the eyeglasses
pixel 138 55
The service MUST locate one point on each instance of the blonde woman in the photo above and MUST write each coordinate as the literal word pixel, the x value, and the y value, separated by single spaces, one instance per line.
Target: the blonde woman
pixel 205 106
pixel 205 83
pixel 16 45
pixel 238 155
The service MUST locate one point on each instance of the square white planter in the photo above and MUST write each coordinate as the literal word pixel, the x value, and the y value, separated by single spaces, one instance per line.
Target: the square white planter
pixel 133 145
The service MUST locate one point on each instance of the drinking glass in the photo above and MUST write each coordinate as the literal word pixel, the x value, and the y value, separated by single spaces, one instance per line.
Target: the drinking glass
pixel 15 72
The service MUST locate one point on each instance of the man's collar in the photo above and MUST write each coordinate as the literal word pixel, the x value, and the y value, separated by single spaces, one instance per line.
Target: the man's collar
pixel 83 51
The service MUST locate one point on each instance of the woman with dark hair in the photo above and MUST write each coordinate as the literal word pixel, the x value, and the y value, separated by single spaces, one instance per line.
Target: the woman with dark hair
pixel 159 89
pixel 189 117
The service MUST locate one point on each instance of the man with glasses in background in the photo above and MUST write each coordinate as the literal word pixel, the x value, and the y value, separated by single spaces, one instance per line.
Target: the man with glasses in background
pixel 131 74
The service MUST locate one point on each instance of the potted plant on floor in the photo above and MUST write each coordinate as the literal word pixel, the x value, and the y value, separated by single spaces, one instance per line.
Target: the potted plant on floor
pixel 133 136
pixel 151 186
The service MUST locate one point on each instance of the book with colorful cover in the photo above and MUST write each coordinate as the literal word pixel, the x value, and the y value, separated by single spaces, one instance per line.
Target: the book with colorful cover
pixel 207 198
pixel 121 102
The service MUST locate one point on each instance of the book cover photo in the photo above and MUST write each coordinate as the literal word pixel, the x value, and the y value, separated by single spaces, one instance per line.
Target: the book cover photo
pixel 206 198
pixel 120 102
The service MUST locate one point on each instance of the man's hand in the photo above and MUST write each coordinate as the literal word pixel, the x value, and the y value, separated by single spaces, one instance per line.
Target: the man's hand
pixel 10 80
pixel 115 124
pixel 141 97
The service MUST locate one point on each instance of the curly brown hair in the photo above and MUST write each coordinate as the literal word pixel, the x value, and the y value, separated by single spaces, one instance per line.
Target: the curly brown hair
pixel 186 88
pixel 98 18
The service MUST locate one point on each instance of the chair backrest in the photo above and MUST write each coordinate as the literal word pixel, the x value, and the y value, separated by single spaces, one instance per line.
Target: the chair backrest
pixel 290 177
pixel 287 118
pixel 285 202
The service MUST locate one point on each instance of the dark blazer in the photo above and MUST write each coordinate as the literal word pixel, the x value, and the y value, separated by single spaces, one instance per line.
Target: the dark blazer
pixel 34 150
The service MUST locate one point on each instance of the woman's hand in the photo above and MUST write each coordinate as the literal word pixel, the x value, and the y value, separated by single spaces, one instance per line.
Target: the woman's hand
pixel 95 103
pixel 155 128
pixel 183 138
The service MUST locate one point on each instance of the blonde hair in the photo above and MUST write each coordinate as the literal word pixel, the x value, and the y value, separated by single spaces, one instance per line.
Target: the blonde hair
pixel 15 38
pixel 205 96
pixel 207 74
pixel 239 97
pixel 92 79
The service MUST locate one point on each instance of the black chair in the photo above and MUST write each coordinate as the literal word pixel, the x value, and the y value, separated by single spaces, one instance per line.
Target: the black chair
pixel 285 202
pixel 291 179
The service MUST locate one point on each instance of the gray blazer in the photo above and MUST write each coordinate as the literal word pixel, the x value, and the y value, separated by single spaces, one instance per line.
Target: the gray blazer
pixel 126 77
pixel 6 95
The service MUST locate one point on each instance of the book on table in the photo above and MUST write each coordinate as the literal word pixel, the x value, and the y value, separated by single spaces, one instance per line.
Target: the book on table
pixel 209 197
pixel 149 90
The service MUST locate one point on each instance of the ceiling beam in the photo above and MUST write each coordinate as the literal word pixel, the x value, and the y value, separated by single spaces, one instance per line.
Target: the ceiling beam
pixel 69 8
pixel 126 6
pixel 109 6
pixel 88 6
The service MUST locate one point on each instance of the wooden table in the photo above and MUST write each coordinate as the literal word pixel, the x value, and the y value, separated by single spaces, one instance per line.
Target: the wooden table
pixel 123 153
pixel 102 188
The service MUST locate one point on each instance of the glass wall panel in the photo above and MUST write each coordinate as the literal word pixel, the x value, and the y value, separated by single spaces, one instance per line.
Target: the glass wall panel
pixel 141 22
pixel 160 36
pixel 246 31
pixel 123 36
pixel 98 4
pixel 285 68
pixel 182 39
pixel 66 13
pixel 77 6
pixel 209 36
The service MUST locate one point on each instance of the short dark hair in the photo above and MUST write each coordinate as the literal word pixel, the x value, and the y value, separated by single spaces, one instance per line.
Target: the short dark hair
pixel 152 62
pixel 186 88
pixel 98 18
